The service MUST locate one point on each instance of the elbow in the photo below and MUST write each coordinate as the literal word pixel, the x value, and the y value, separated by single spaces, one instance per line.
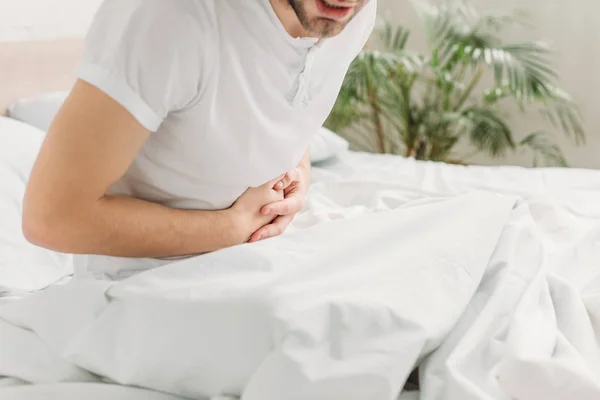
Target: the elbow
pixel 35 233
pixel 38 229
pixel 45 228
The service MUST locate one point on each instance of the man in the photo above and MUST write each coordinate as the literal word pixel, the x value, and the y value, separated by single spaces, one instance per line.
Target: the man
pixel 180 107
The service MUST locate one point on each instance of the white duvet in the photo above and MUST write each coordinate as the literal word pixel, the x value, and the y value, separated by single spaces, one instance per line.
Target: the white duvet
pixel 495 296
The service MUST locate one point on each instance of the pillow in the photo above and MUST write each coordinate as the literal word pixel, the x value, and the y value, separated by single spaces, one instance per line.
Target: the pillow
pixel 325 145
pixel 23 266
pixel 38 111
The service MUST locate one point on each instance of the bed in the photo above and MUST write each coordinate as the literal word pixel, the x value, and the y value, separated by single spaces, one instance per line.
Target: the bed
pixel 488 279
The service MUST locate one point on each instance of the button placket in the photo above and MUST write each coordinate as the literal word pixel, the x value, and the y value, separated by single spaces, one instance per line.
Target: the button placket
pixel 301 97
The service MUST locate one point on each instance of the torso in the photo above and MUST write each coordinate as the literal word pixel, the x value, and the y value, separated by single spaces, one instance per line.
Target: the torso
pixel 263 95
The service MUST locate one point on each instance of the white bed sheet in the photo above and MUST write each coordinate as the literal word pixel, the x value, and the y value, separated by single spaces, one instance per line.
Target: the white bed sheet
pixel 576 191
pixel 23 267
pixel 81 391
pixel 564 203
pixel 565 208
pixel 572 193
pixel 94 391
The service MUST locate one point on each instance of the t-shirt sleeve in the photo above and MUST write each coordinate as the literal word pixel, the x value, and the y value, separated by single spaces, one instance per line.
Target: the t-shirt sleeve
pixel 147 55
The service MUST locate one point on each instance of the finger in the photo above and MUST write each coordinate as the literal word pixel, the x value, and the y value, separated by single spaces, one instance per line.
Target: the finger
pixel 272 183
pixel 291 205
pixel 276 228
pixel 288 179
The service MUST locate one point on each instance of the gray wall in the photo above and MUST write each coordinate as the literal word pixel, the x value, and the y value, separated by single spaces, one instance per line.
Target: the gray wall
pixel 573 29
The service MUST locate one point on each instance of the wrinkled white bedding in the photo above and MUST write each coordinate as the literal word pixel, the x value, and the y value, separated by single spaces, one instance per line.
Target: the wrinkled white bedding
pixel 95 391
pixel 392 265
pixel 79 391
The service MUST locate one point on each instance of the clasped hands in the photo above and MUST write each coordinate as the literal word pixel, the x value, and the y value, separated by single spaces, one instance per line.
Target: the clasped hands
pixel 267 211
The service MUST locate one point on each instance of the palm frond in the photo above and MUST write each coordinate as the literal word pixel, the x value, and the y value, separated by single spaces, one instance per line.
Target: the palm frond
pixel 544 150
pixel 373 68
pixel 361 137
pixel 555 105
pixel 461 35
pixel 499 23
pixel 393 98
pixel 435 20
pixel 562 112
pixel 487 131
pixel 380 80
pixel 395 38
pixel 346 112
pixel 524 69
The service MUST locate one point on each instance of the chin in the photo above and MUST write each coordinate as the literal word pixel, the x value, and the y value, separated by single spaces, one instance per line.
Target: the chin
pixel 325 28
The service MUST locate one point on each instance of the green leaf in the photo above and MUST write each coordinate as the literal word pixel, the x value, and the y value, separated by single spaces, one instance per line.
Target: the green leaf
pixel 562 112
pixel 544 149
pixel 487 131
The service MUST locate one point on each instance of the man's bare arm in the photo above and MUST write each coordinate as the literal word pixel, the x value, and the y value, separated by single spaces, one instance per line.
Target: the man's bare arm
pixel 89 146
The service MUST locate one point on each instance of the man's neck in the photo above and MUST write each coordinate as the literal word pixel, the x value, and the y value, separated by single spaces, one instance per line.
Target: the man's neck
pixel 288 18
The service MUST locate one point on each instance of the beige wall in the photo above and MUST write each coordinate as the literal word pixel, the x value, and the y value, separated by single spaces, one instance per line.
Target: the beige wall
pixel 573 28
pixel 571 25
pixel 44 19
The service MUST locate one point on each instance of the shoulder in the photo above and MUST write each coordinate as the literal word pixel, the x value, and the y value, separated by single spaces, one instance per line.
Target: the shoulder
pixel 156 32
pixel 182 19
pixel 159 50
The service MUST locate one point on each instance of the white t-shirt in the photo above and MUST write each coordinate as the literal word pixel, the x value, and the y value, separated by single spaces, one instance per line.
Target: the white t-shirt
pixel 231 98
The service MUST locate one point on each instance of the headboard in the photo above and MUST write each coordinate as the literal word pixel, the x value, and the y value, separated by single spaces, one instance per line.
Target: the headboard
pixel 30 68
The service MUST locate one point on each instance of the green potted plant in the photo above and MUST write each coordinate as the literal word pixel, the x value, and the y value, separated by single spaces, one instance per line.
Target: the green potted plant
pixel 423 105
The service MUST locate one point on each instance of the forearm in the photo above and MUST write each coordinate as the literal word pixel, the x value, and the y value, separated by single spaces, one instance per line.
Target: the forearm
pixel 128 227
